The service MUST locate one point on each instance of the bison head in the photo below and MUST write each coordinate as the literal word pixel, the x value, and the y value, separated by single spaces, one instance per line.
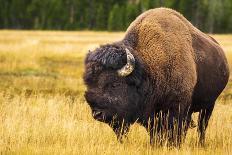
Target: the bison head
pixel 113 77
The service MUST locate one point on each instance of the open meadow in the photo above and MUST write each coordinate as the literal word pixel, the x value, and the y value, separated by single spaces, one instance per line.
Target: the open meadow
pixel 42 109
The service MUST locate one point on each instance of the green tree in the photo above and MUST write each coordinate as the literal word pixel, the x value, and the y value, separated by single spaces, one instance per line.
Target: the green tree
pixel 226 19
pixel 131 12
pixel 115 21
pixel 4 13
pixel 207 15
pixel 214 14
pixel 100 23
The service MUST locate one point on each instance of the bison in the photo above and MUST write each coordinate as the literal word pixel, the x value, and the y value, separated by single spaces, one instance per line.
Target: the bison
pixel 161 72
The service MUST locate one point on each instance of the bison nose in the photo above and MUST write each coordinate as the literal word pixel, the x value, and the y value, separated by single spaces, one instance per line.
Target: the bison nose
pixel 98 115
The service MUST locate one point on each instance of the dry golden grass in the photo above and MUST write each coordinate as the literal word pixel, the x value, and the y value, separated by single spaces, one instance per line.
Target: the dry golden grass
pixel 42 109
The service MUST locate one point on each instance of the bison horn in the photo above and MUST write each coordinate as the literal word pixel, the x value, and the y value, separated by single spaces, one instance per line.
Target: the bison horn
pixel 130 65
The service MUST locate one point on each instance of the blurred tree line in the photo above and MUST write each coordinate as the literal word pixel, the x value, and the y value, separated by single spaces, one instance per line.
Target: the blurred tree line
pixel 213 16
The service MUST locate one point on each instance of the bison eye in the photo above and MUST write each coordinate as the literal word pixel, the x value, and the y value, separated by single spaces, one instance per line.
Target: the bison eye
pixel 114 85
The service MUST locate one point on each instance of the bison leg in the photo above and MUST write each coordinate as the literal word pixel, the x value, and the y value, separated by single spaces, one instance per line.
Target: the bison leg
pixel 163 129
pixel 155 131
pixel 169 127
pixel 174 132
pixel 203 120
pixel 188 122
pixel 178 124
pixel 152 131
pixel 120 129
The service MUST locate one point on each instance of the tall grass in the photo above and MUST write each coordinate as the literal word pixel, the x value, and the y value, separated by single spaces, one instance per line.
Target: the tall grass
pixel 42 109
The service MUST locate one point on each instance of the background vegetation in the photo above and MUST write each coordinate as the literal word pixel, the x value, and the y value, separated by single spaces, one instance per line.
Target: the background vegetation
pixel 213 16
pixel 42 109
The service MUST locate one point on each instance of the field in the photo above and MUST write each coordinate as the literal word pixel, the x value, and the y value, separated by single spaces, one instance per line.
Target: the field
pixel 42 109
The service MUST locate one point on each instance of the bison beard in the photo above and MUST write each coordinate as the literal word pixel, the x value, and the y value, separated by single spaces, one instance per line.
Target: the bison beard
pixel 157 76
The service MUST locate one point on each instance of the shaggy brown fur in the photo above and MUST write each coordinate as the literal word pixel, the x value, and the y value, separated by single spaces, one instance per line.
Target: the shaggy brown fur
pixel 182 60
pixel 179 70
pixel 165 47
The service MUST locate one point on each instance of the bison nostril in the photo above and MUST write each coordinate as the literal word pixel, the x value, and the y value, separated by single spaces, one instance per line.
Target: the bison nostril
pixel 97 114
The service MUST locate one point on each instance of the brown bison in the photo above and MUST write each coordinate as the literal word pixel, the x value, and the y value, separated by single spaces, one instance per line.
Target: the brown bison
pixel 158 75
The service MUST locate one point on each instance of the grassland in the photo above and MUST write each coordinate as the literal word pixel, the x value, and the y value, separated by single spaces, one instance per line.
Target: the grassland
pixel 42 109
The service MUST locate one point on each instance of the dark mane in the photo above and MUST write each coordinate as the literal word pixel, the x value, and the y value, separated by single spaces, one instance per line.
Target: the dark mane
pixel 111 57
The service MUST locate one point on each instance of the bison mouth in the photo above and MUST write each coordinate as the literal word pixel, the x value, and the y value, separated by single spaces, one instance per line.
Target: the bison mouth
pixel 99 115
pixel 102 116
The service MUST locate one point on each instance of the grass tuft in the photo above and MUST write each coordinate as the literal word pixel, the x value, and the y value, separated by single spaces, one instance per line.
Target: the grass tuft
pixel 42 109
